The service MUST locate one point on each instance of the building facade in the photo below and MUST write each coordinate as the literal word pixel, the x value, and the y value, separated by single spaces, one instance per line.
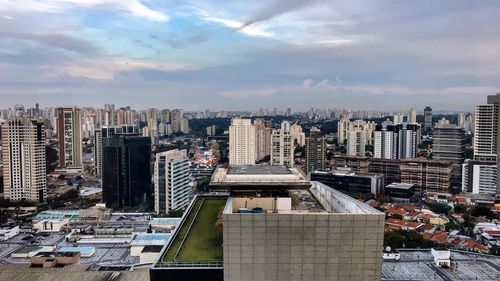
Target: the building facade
pixel 282 151
pixel 427 119
pixel 242 143
pixel 69 136
pixel 171 181
pixel 126 175
pixel 448 144
pixel 398 141
pixel 315 151
pixel 23 151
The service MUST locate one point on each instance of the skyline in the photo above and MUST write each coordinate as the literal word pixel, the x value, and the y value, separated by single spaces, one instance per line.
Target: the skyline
pixel 329 54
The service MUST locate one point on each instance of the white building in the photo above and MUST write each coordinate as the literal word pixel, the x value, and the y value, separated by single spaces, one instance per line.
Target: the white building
pixel 152 122
pixel 242 142
pixel 282 152
pixel 398 141
pixel 23 142
pixel 356 142
pixel 171 181
pixel 298 135
pixel 485 147
pixel 412 117
pixel 70 137
pixel 8 232
pixel 479 177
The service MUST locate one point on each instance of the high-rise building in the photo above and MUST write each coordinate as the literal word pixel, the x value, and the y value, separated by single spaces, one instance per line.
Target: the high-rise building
pixel 486 146
pixel 427 119
pixel 282 152
pixel 171 181
pixel 103 132
pixel 152 122
pixel 315 151
pixel 23 151
pixel 448 143
pixel 398 118
pixel 242 143
pixel 126 175
pixel 396 141
pixel 345 125
pixel 70 138
pixel 297 134
pixel 412 116
pixel 356 142
pixel 479 177
pixel 176 120
pixel 262 138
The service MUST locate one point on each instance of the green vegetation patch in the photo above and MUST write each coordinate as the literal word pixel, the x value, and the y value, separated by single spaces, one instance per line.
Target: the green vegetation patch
pixel 203 241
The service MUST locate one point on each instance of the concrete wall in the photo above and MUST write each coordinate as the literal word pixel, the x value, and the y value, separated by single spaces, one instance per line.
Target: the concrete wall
pixel 308 247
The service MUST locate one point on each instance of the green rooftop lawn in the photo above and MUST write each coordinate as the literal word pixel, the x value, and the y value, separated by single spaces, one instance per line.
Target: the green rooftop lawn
pixel 204 240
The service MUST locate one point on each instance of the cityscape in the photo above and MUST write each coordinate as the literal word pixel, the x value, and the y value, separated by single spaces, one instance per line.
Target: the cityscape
pixel 124 159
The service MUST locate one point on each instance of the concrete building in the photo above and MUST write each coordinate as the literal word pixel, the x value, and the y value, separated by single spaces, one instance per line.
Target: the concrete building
pixel 297 134
pixel 396 141
pixel 427 119
pixel 315 151
pixel 242 143
pixel 345 126
pixel 412 116
pixel 282 151
pixel 126 175
pixel 276 225
pixel 23 152
pixel 356 142
pixel 430 175
pixel 152 122
pixel 479 177
pixel 448 143
pixel 171 181
pixel 69 136
pixel 263 141
pixel 176 116
pixel 346 180
pixel 495 101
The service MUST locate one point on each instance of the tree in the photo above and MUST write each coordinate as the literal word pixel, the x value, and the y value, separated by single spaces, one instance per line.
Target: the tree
pixel 495 250
pixel 439 208
pixel 460 208
pixel 451 226
pixel 481 211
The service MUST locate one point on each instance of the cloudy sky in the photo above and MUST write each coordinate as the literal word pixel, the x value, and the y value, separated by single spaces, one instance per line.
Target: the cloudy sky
pixel 384 55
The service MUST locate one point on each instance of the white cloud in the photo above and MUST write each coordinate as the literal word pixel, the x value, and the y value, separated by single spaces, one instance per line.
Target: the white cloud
pixel 106 69
pixel 257 30
pixel 133 7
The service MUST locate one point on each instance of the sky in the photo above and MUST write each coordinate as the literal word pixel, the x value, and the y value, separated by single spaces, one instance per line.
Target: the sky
pixel 244 55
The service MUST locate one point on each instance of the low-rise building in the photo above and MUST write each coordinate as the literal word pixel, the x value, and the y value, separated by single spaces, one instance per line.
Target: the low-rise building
pixel 8 232
pixel 346 180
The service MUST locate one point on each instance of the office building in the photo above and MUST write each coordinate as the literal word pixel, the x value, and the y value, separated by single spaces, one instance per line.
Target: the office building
pixel 275 225
pixel 430 175
pixel 242 142
pixel 282 151
pixel 351 182
pixel 427 119
pixel 448 143
pixel 398 141
pixel 23 153
pixel 479 177
pixel 412 116
pixel 126 175
pixel 69 136
pixel 108 132
pixel 315 151
pixel 171 181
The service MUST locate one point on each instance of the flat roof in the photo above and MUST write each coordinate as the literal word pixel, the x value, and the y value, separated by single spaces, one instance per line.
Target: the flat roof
pixel 258 170
pixel 199 237
pixel 83 250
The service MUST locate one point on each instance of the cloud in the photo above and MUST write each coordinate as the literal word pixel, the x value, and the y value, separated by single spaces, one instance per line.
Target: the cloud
pixel 133 7
pixel 256 31
pixel 277 8
pixel 58 40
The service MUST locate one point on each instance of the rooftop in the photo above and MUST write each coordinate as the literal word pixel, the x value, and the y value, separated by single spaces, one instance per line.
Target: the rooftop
pixel 259 176
pixel 199 238
pixel 258 170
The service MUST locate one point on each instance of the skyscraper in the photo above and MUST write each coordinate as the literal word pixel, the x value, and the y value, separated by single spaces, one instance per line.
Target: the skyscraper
pixel 428 119
pixel 103 132
pixel 171 181
pixel 315 151
pixel 412 117
pixel 176 120
pixel 153 122
pixel 448 143
pixel 356 142
pixel 69 135
pixel 495 101
pixel 126 175
pixel 242 143
pixel 396 141
pixel 24 171
pixel 282 152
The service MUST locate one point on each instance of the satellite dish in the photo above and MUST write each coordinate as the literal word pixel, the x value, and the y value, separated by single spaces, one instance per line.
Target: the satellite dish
pixel 388 248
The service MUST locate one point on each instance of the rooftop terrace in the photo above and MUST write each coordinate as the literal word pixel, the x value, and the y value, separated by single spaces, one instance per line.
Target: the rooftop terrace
pixel 198 241
pixel 259 177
